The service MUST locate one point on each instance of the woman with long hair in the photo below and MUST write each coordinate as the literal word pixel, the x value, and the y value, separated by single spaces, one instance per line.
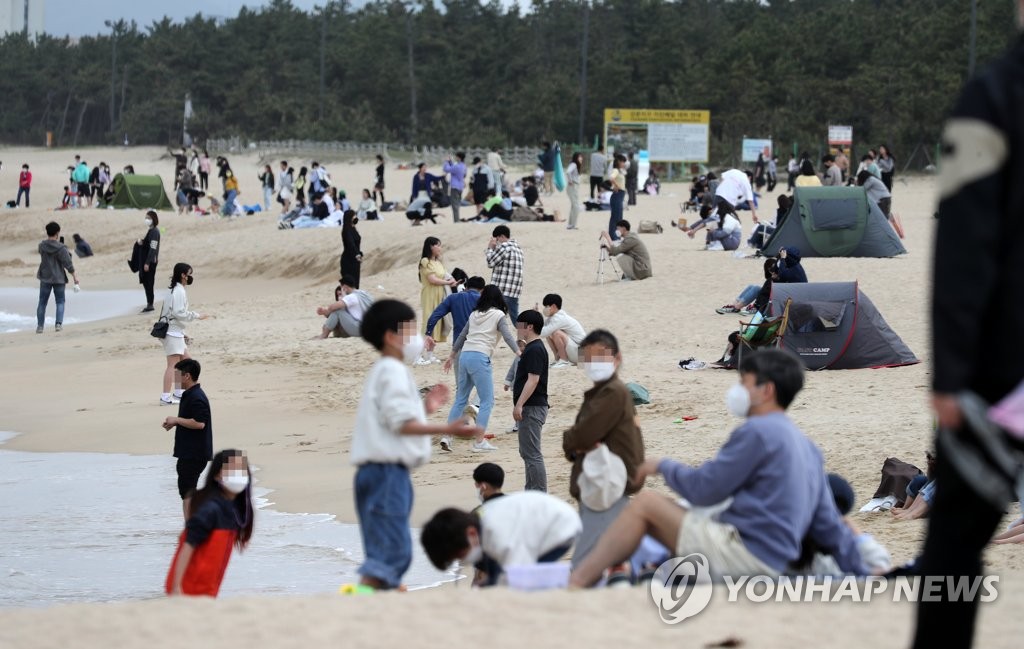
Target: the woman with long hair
pixel 177 313
pixel 351 252
pixel 378 181
pixel 266 178
pixel 300 187
pixel 435 282
pixel 220 518
pixel 886 164
pixel 474 348
pixel 617 178
pixel 150 256
pixel 572 188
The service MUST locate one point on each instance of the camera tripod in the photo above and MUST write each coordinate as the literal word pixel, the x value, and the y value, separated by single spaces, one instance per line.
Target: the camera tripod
pixel 602 257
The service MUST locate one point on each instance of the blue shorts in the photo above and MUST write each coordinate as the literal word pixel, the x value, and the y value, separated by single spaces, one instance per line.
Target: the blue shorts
pixel 384 503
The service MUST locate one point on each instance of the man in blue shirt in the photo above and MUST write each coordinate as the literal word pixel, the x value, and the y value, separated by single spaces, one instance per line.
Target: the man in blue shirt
pixel 772 472
pixel 460 305
pixel 456 171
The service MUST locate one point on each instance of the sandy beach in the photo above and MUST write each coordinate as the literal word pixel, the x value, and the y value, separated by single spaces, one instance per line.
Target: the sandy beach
pixel 290 401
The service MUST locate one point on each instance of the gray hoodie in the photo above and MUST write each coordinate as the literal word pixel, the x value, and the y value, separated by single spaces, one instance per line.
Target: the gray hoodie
pixel 55 258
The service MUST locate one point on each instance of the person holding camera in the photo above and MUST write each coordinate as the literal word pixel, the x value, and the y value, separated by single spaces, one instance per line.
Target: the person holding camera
pixel 630 252
pixel 617 182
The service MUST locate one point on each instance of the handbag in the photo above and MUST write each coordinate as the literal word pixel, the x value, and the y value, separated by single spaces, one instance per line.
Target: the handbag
pixel 160 328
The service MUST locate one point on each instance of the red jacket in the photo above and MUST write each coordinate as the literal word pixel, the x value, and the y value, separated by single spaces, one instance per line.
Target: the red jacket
pixel 25 179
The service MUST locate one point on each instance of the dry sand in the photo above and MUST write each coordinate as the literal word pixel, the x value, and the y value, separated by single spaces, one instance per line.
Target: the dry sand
pixel 290 401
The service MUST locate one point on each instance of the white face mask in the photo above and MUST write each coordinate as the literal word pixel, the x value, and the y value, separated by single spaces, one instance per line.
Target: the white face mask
pixel 234 481
pixel 737 400
pixel 473 557
pixel 149 223
pixel 599 371
pixel 412 348
pixel 480 495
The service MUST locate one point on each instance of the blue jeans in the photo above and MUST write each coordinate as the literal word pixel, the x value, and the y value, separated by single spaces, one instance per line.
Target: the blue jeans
pixel 917 483
pixel 44 299
pixel 474 370
pixel 229 203
pixel 513 307
pixel 617 200
pixel 384 503
pixel 748 294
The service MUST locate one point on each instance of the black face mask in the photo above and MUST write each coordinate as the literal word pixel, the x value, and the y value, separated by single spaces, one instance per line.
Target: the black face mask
pixel 188 280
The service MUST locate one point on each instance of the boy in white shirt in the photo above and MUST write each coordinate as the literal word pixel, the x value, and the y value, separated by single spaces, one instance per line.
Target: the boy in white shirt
pixel 345 316
pixel 523 528
pixel 563 332
pixel 391 437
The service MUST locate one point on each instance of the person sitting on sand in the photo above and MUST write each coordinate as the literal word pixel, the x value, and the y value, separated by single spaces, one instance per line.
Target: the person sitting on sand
pixel 770 471
pixel 345 316
pixel 82 247
pixel 917 507
pixel 520 529
pixel 603 202
pixel 874 555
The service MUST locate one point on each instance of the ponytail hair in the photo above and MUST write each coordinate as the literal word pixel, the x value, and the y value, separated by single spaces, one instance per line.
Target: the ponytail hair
pixel 179 269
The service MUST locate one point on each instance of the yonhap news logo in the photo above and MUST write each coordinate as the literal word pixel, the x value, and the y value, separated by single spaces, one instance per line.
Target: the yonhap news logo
pixel 682 588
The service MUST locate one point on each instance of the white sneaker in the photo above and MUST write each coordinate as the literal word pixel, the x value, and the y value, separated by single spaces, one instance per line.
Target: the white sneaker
pixel 446 445
pixel 169 402
pixel 561 363
pixel 514 429
pixel 422 361
pixel 483 446
pixel 177 394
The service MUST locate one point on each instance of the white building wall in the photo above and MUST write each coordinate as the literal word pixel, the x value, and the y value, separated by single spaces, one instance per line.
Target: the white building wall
pixel 12 16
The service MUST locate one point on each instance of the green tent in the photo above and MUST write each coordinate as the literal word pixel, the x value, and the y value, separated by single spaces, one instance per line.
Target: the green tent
pixel 133 190
pixel 834 222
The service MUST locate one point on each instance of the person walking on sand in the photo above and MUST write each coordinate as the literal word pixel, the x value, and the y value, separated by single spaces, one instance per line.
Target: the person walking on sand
pixel 474 348
pixel 222 520
pixel 193 432
pixel 392 437
pixel 54 260
pixel 177 313
pixel 150 256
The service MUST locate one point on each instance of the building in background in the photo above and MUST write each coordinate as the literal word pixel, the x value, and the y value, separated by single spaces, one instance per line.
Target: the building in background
pixel 22 15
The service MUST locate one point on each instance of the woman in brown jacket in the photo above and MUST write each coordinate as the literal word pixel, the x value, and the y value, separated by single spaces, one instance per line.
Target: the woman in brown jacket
pixel 607 416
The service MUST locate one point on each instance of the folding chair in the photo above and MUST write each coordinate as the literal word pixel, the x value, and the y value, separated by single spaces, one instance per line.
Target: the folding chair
pixel 766 334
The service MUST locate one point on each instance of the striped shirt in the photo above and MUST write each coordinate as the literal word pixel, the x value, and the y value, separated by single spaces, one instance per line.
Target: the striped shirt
pixel 506 264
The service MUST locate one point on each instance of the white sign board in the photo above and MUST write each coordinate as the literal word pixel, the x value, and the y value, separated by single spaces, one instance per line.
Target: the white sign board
pixel 678 142
pixel 754 147
pixel 840 134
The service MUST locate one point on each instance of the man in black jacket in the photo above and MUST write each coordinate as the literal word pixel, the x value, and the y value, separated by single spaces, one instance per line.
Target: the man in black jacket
pixel 978 289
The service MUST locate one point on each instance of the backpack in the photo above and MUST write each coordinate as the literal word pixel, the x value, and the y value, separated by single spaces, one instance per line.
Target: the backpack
pixel 649 227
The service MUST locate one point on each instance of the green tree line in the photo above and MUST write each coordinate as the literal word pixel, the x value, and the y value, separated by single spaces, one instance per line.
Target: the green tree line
pixel 463 72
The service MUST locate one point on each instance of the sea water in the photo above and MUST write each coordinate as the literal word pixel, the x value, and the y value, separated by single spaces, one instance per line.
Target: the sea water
pixel 97 527
pixel 18 307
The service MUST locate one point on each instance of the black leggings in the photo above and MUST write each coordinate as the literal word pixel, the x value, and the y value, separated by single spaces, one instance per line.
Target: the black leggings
pixel 204 180
pixel 960 525
pixel 595 183
pixel 147 279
